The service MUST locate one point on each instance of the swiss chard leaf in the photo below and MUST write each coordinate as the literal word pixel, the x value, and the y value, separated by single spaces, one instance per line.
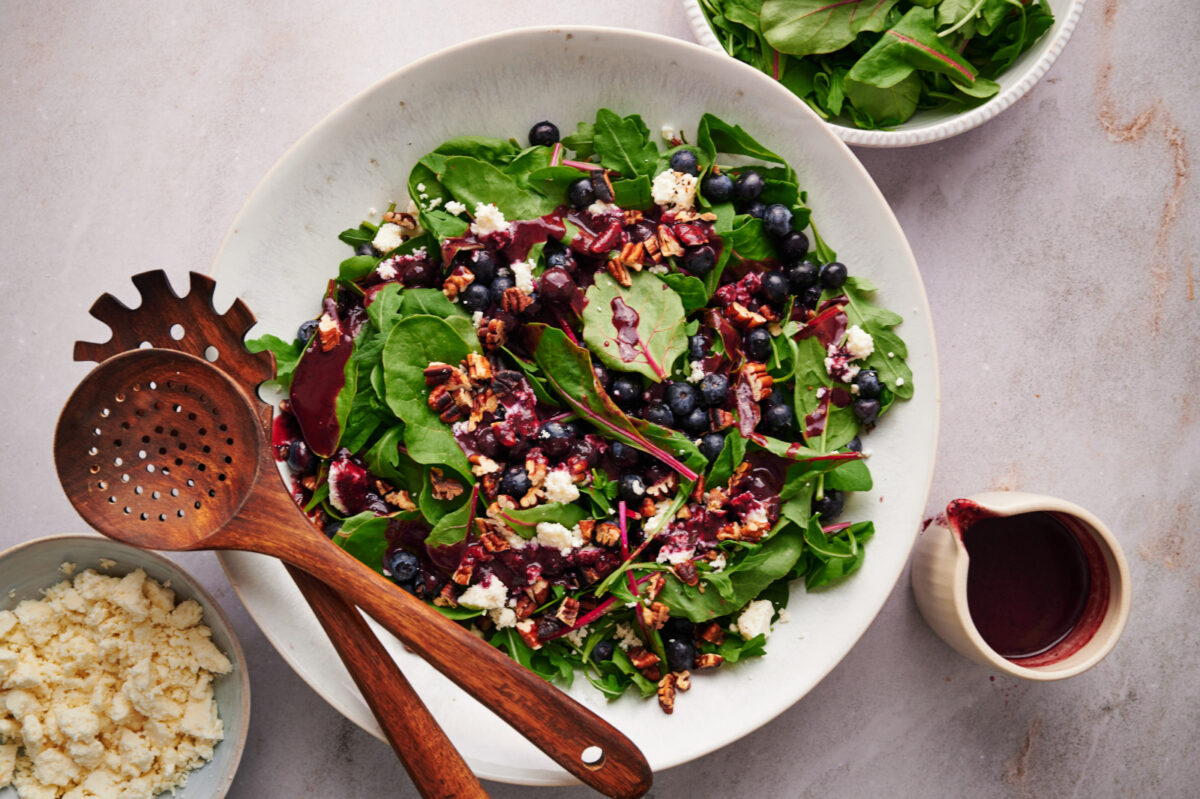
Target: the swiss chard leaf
pixel 636 329
pixel 568 371
pixel 912 43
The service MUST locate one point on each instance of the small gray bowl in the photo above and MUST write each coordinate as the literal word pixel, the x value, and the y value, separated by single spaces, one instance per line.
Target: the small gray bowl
pixel 27 569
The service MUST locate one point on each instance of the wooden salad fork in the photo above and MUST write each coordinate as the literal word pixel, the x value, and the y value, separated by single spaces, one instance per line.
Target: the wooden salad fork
pixel 162 448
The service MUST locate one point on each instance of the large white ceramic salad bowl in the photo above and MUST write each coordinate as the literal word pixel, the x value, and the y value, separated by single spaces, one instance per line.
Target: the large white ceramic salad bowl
pixel 283 246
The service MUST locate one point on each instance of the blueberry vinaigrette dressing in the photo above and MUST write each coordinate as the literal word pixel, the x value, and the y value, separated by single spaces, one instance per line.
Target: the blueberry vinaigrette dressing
pixel 581 534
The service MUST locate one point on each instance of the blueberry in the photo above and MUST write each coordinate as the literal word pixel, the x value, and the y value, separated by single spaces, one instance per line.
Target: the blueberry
pixel 331 527
pixel 778 419
pixel 792 247
pixel 681 398
pixel 803 275
pixel 601 186
pixel 711 445
pixel 772 399
pixel 305 333
pixel 625 390
pixel 660 415
pixel 829 506
pixel 418 274
pixel 487 442
pixel 580 193
pixel 868 384
pixel 854 444
pixel 367 248
pixel 557 255
pixel 299 457
pixel 476 297
pixel 697 348
pixel 554 438
pixel 483 266
pixel 499 286
pixel 695 423
pixel 748 186
pixel 833 275
pixel 680 654
pixel 603 651
pixel 403 565
pixel 757 344
pixel 601 375
pixel 775 287
pixel 812 297
pixel 685 161
pixel 754 208
pixel 623 454
pixel 632 489
pixel 547 628
pixel 515 482
pixel 716 188
pixel 699 260
pixel 557 285
pixel 714 389
pixel 543 134
pixel 678 627
pixel 867 410
pixel 777 221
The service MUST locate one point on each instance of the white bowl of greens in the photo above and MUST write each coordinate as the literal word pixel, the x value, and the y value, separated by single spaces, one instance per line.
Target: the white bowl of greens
pixel 284 246
pixel 893 73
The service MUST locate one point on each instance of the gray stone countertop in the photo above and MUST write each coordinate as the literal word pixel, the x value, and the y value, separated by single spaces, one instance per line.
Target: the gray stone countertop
pixel 1058 244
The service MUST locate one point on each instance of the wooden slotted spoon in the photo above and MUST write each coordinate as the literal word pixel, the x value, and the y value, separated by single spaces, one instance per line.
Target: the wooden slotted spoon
pixel 191 324
pixel 160 449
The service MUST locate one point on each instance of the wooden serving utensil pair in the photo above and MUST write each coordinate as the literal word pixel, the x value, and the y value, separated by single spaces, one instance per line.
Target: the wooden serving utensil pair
pixel 168 447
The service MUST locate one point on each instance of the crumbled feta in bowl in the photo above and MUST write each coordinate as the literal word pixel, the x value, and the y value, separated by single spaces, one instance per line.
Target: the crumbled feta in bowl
pixel 125 674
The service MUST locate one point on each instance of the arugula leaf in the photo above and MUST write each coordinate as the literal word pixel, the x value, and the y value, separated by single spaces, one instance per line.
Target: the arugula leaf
pixel 581 141
pixel 475 182
pixel 414 343
pixel 286 355
pixel 568 370
pixel 624 145
pixel 649 338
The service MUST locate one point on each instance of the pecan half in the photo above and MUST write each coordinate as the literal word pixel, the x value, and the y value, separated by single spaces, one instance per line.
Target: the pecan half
pixel 655 614
pixel 686 572
pixel 437 373
pixel 642 658
pixel 666 694
pixel 494 335
pixel 730 531
pixel 462 575
pixel 493 542
pixel 743 317
pixel 607 534
pixel 653 252
pixel 586 527
pixel 708 660
pixel 528 632
pixel 525 607
pixel 668 245
pixel 459 279
pixel 479 368
pixel 505 382
pixel 683 680
pixel 755 375
pixel 720 419
pixel 631 217
pixel 538 590
pixel 710 631
pixel 655 584
pixel 328 333
pixel 616 268
pixel 400 499
pixel 446 598
pixel 482 464
pixel 444 487
pixel 568 611
pixel 514 300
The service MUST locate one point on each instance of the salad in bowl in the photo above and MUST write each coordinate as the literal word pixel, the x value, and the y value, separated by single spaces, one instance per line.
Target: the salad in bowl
pixel 600 398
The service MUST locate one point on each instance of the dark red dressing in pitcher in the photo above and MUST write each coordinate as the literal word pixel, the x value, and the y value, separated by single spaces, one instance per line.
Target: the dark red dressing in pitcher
pixel 1027 583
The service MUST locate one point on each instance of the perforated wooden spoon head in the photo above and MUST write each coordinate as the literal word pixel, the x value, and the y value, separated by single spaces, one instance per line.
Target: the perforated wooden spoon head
pixel 159 449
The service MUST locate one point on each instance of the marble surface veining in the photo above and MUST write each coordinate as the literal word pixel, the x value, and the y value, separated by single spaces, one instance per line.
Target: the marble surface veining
pixel 1059 243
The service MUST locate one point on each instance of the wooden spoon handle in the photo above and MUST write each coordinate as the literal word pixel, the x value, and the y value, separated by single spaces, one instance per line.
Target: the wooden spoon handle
pixel 434 765
pixel 562 728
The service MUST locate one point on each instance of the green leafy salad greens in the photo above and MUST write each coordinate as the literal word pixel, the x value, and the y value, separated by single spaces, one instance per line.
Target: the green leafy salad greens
pixel 599 398
pixel 874 63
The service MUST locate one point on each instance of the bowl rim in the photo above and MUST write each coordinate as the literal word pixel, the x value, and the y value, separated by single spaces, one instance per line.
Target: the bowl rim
pixel 208 602
pixel 229 559
pixel 961 123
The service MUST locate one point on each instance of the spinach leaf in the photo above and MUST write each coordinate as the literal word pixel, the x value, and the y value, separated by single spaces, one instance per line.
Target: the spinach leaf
pixel 691 290
pixel 886 106
pixel 453 526
pixel 475 182
pixel 524 521
pixel 414 343
pixel 428 301
pixel 481 148
pixel 804 27
pixel 890 349
pixel 365 537
pixel 850 476
pixel 568 370
pixel 651 319
pixel 714 135
pixel 731 455
pixel 624 145
pixel 748 575
pixel 286 356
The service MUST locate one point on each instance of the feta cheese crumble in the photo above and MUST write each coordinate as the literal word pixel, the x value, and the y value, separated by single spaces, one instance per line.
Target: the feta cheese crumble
pixel 455 207
pixel 503 617
pixel 485 596
pixel 523 275
pixel 488 219
pixel 859 343
pixel 671 188
pixel 697 372
pixel 106 690
pixel 600 208
pixel 625 637
pixel 553 534
pixel 386 269
pixel 387 238
pixel 755 620
pixel 559 487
